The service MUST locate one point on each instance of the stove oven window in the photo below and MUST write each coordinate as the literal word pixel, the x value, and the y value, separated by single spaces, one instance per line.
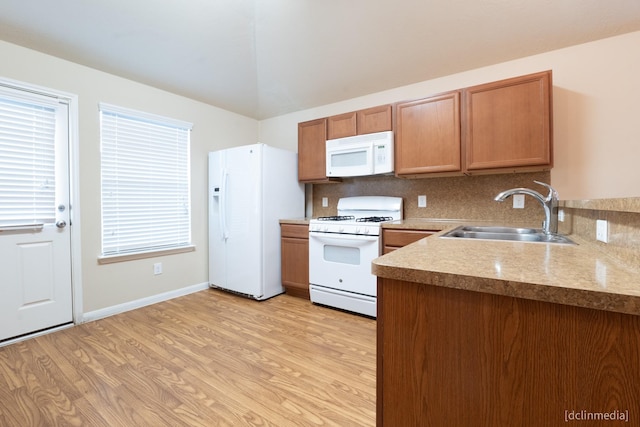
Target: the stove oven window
pixel 342 254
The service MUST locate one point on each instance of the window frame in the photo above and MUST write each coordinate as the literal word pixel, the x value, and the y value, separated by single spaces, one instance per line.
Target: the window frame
pixel 151 121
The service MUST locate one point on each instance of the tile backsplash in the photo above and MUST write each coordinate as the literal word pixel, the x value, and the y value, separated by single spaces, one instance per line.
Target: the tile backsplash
pixel 623 217
pixel 464 197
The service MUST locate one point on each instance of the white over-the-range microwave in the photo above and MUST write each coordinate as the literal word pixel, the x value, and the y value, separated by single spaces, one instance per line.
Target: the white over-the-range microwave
pixel 361 155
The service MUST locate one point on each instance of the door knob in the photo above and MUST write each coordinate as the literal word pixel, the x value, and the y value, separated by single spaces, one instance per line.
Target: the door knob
pixel 61 224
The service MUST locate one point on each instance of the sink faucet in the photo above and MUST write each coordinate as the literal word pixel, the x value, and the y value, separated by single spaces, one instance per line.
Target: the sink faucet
pixel 549 203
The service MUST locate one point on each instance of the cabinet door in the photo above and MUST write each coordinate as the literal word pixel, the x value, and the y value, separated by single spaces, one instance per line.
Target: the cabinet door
pixel 341 125
pixel 376 119
pixel 295 266
pixel 312 136
pixel 428 135
pixel 508 123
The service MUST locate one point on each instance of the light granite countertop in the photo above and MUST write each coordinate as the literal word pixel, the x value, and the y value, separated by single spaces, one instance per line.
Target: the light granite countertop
pixel 580 275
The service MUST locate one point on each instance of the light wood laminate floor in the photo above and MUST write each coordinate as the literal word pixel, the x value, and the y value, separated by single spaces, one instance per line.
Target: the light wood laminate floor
pixel 206 359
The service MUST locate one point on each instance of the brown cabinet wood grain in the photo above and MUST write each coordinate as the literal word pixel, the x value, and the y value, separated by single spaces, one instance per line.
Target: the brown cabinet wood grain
pixel 312 136
pixel 428 135
pixel 394 238
pixel 456 358
pixel 370 120
pixel 375 119
pixel 508 123
pixel 295 259
pixel 342 125
pixel 496 127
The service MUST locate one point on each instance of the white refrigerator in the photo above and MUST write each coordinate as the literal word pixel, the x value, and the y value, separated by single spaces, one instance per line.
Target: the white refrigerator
pixel 251 188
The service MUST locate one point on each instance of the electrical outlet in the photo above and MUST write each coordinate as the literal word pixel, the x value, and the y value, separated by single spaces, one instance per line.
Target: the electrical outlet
pixel 518 201
pixel 561 215
pixel 422 201
pixel 325 202
pixel 157 268
pixel 602 230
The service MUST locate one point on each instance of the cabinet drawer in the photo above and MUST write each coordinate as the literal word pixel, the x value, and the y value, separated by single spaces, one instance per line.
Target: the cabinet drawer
pixel 401 238
pixel 299 231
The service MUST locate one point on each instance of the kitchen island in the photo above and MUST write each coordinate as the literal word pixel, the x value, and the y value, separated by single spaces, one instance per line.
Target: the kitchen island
pixel 495 333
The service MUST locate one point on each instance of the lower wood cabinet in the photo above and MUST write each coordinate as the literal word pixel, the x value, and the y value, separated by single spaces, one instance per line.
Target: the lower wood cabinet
pixel 294 243
pixel 394 238
pixel 457 358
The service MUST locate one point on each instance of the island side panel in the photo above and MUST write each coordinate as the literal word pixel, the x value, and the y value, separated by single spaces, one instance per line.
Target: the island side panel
pixel 449 357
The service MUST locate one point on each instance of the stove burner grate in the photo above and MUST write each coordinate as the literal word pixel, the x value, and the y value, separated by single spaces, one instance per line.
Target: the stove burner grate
pixel 337 218
pixel 375 219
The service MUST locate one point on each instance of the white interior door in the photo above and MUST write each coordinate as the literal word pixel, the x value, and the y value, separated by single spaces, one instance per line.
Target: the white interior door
pixel 35 240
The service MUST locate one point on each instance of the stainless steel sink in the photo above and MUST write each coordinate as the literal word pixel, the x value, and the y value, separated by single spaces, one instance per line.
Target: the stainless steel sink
pixel 506 233
pixel 508 230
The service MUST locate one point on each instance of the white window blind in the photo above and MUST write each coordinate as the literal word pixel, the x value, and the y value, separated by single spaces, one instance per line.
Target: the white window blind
pixel 145 182
pixel 27 161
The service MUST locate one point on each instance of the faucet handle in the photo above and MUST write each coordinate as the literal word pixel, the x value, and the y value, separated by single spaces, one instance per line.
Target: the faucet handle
pixel 553 194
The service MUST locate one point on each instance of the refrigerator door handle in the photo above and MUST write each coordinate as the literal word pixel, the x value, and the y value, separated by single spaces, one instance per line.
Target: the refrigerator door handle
pixel 223 206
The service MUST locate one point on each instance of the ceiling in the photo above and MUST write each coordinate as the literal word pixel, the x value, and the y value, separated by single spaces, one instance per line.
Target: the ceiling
pixel 265 58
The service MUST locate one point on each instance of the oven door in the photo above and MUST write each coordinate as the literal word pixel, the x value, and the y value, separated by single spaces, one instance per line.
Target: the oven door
pixel 343 262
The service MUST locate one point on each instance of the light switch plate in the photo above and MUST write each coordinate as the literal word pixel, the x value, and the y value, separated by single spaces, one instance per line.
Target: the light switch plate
pixel 518 201
pixel 325 202
pixel 422 201
pixel 602 231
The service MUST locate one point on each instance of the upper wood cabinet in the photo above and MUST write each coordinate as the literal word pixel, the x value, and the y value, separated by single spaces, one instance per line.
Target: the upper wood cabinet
pixel 342 125
pixel 370 120
pixel 497 127
pixel 312 136
pixel 508 123
pixel 376 119
pixel 428 135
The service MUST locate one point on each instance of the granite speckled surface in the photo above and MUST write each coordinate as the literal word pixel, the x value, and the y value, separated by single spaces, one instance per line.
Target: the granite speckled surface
pixel 627 204
pixel 580 275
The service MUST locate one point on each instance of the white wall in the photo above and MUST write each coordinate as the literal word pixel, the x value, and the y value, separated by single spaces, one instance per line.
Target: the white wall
pixel 108 285
pixel 596 113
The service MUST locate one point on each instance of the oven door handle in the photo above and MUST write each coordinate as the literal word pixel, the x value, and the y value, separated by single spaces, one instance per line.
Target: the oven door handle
pixel 340 239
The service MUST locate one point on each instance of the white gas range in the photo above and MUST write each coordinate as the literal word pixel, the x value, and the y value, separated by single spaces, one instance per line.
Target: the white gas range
pixel 341 249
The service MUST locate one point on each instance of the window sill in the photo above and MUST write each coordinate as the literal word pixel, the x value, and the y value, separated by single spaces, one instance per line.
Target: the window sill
pixel 110 259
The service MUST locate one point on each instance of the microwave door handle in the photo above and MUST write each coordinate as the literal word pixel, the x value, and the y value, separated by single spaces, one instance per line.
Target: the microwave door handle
pixel 371 158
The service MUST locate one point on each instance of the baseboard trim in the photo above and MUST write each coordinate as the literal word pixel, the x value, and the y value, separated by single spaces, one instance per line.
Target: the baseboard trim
pixel 139 303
